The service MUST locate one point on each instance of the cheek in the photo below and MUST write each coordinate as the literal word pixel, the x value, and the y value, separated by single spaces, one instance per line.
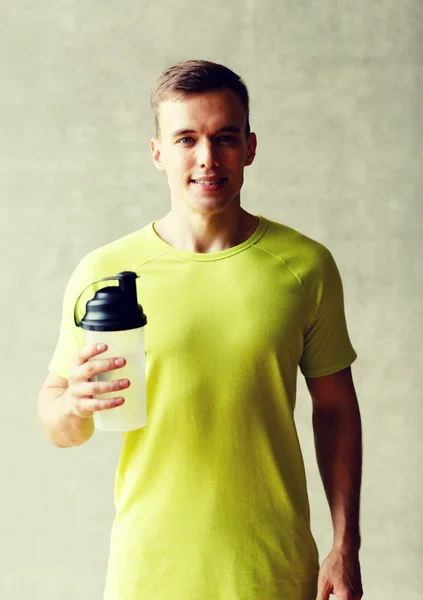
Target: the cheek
pixel 237 161
pixel 184 163
pixel 178 169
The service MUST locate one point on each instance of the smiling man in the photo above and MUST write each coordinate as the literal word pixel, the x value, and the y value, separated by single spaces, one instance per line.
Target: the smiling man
pixel 211 496
pixel 204 160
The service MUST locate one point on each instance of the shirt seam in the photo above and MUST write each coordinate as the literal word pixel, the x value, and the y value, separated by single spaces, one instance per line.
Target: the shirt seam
pixel 150 259
pixel 203 257
pixel 297 277
pixel 342 364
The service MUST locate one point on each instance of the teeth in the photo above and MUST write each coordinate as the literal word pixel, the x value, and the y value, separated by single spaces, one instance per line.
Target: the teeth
pixel 207 182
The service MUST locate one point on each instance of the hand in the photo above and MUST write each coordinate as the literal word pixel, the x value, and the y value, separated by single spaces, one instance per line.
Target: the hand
pixel 340 575
pixel 79 394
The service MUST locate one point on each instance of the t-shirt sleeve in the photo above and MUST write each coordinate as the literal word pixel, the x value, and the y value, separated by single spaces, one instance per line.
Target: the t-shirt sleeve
pixel 71 337
pixel 327 346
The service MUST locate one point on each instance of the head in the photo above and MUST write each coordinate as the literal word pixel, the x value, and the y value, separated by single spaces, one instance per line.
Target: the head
pixel 201 112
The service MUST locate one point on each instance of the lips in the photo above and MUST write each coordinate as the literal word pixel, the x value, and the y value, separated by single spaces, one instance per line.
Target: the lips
pixel 208 185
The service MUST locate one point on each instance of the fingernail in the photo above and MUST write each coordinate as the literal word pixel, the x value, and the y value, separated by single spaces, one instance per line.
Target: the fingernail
pixel 119 362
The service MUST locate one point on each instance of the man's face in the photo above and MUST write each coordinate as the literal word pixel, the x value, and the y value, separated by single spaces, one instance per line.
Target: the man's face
pixel 203 135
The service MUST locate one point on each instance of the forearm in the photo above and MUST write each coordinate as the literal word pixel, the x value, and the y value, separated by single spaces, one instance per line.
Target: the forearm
pixel 62 428
pixel 338 442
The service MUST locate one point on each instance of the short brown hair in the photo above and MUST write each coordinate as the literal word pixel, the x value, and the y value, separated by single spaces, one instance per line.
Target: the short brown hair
pixel 193 77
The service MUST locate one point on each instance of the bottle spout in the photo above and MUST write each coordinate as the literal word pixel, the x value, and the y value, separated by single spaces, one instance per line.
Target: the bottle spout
pixel 127 285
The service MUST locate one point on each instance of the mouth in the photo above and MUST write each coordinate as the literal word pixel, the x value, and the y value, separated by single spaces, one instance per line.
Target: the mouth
pixel 209 186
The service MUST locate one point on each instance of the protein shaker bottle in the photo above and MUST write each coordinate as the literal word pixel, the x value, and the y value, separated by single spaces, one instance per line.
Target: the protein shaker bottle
pixel 115 318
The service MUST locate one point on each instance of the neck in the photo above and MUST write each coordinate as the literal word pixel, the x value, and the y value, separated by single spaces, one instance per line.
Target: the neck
pixel 205 233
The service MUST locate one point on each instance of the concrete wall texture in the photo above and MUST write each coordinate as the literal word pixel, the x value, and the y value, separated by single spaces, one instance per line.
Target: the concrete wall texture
pixel 336 93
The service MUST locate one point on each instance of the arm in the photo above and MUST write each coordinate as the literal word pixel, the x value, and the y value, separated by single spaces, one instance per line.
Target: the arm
pixel 338 442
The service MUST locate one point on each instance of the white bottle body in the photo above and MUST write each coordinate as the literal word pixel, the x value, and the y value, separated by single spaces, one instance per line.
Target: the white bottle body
pixel 129 344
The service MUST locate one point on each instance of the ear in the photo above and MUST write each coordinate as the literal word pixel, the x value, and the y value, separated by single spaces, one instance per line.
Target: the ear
pixel 251 149
pixel 156 152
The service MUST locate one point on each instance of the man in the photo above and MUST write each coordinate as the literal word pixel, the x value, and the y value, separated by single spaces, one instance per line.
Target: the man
pixel 211 499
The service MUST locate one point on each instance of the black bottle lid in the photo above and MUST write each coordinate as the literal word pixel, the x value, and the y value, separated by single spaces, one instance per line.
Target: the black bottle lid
pixel 114 308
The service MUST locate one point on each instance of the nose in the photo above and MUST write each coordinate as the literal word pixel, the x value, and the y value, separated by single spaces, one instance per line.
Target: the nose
pixel 207 155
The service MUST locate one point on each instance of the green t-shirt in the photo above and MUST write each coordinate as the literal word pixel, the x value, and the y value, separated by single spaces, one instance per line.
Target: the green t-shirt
pixel 211 498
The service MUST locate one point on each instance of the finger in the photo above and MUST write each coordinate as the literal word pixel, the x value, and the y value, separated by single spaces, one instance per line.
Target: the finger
pixel 89 351
pixel 86 407
pixel 323 593
pixel 95 366
pixel 87 389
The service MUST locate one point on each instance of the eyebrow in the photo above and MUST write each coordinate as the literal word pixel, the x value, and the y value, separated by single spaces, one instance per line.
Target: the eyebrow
pixel 232 128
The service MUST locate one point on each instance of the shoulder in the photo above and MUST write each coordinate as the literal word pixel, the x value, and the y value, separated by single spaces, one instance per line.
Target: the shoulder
pixel 302 254
pixel 126 253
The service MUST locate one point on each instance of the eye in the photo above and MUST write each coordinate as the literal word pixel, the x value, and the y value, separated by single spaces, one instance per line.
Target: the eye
pixel 185 138
pixel 227 138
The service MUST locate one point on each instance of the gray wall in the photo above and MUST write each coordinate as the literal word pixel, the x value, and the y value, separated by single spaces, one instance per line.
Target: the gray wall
pixel 335 102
